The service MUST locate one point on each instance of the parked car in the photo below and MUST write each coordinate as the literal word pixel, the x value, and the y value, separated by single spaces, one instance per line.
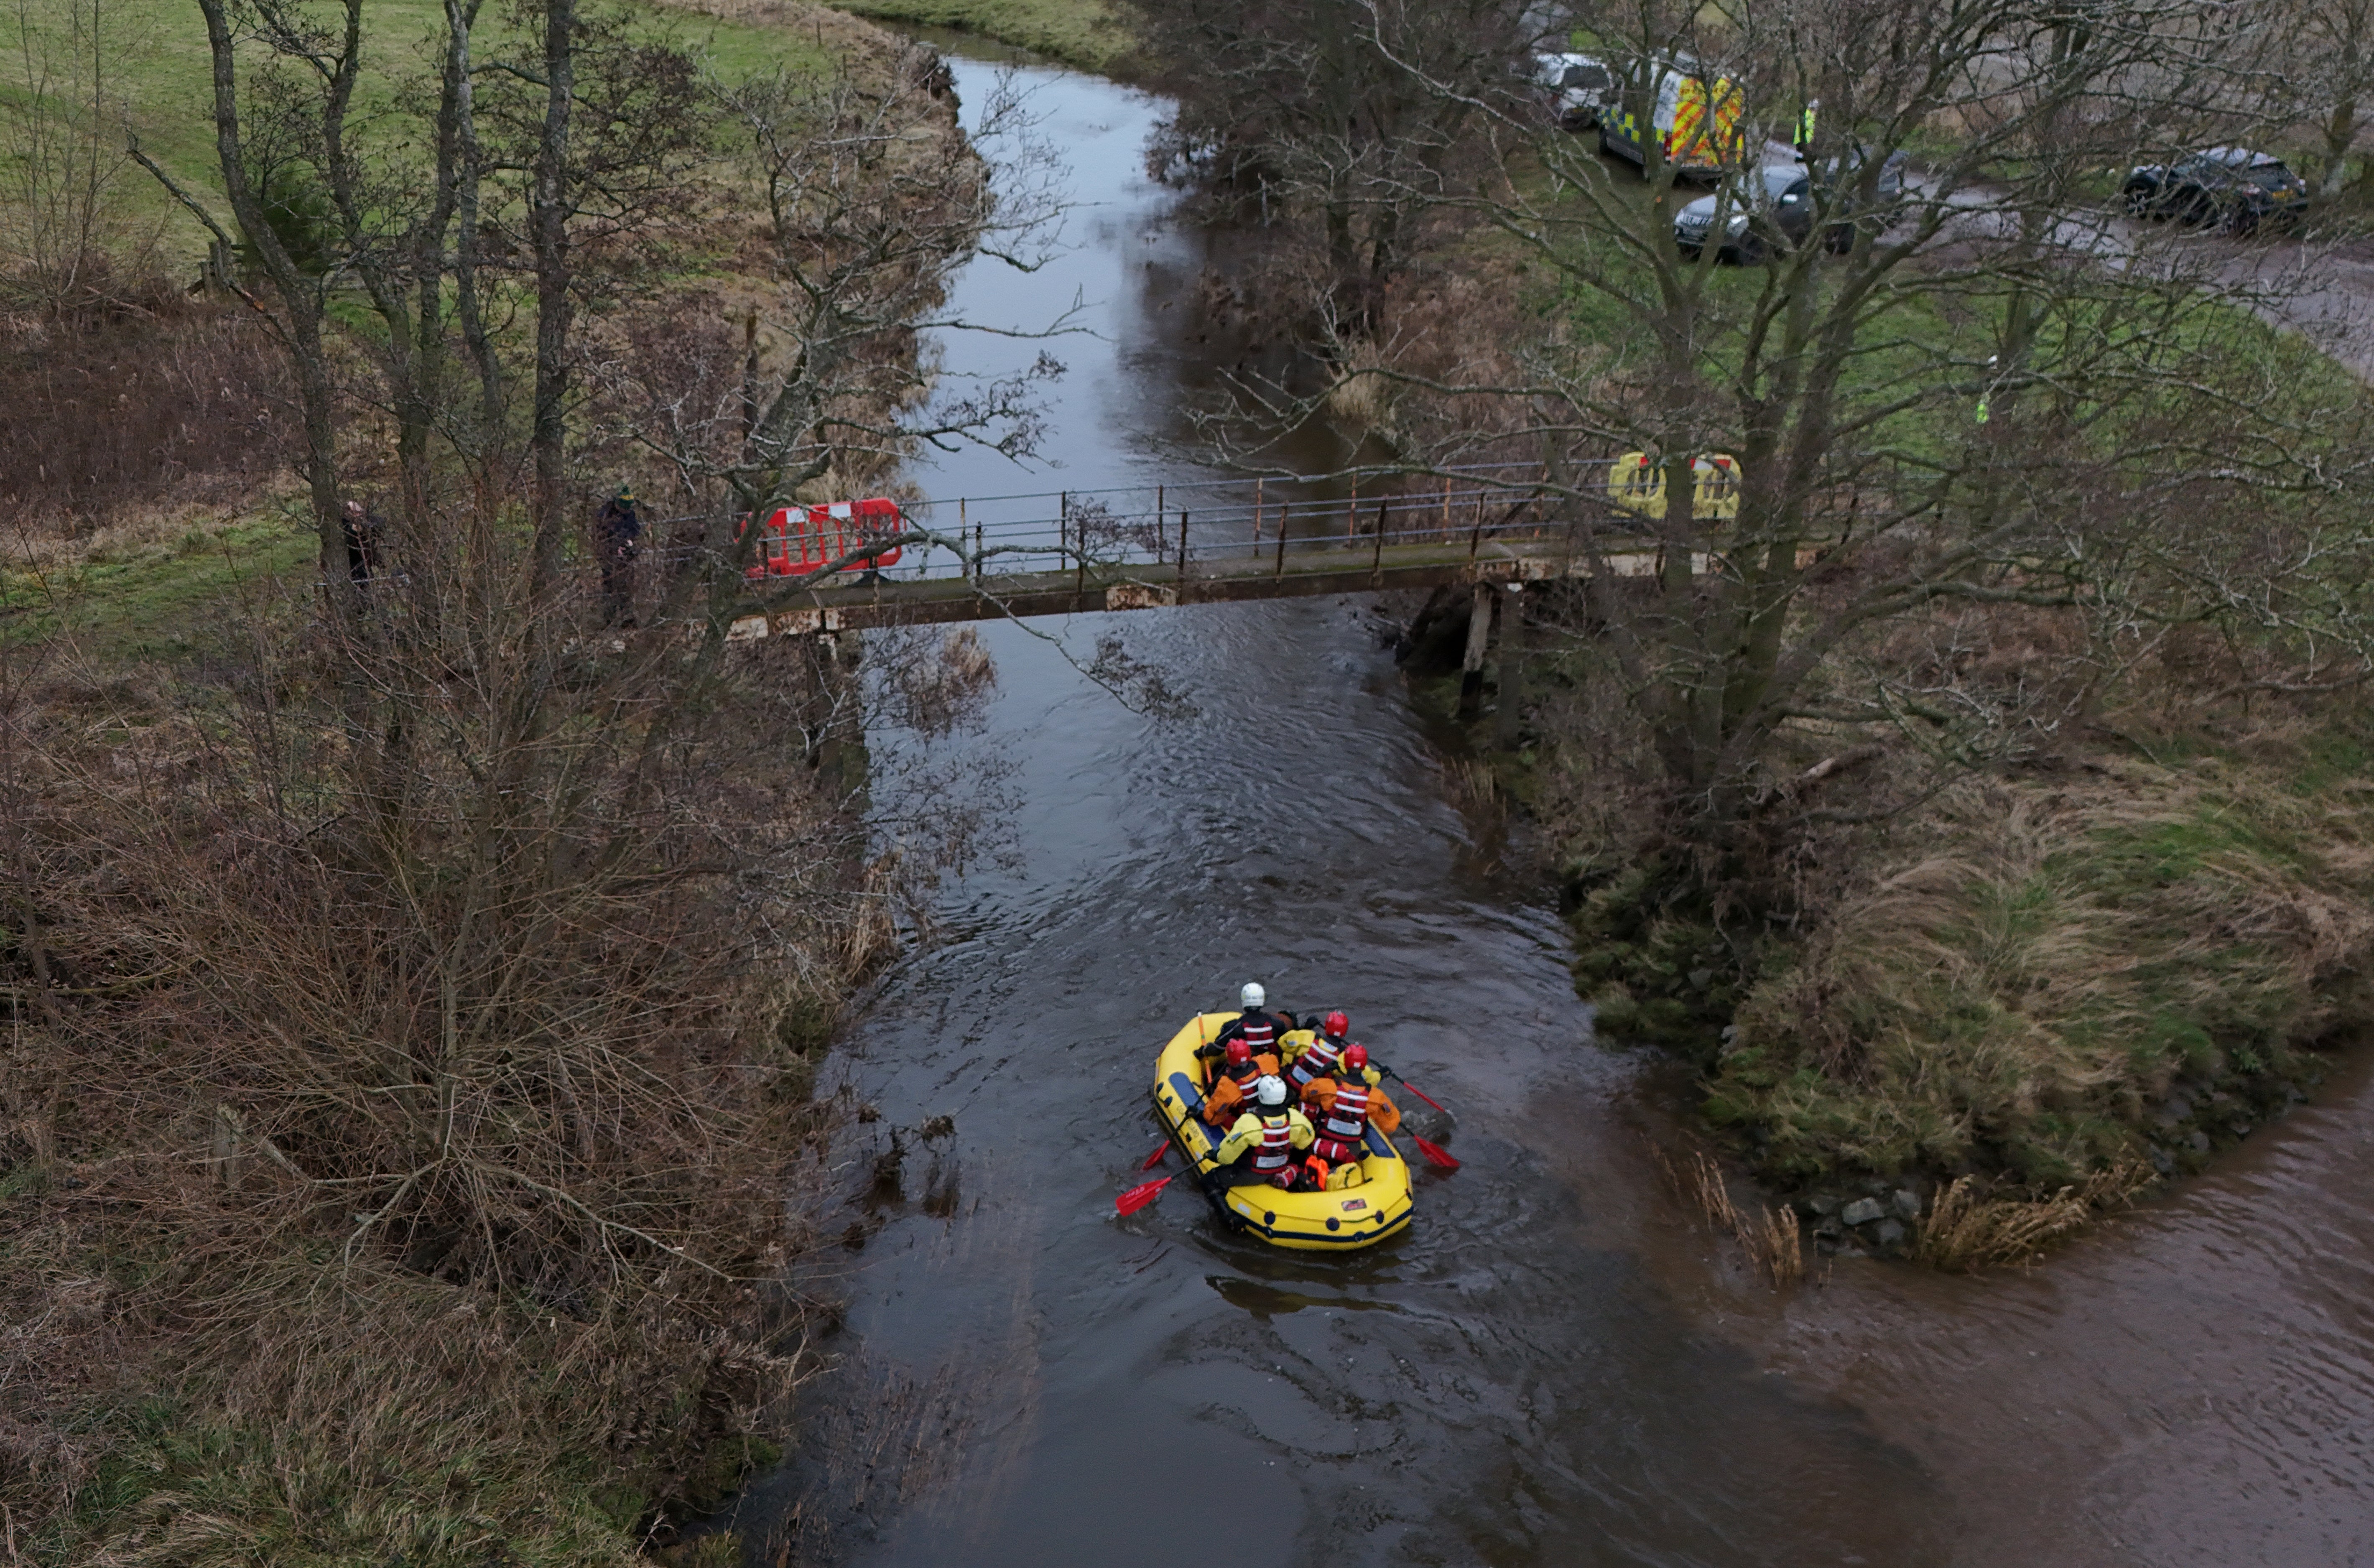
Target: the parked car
pixel 1574 86
pixel 1774 208
pixel 2221 187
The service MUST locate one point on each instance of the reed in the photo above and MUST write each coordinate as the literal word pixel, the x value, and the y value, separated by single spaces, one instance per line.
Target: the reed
pixel 1770 1238
pixel 1967 1231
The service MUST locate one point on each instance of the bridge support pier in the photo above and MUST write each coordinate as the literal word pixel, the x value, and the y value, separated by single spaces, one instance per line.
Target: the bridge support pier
pixel 1511 710
pixel 1479 643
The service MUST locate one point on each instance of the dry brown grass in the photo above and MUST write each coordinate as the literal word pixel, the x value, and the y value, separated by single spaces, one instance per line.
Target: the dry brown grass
pixel 151 404
pixel 1966 1232
pixel 1473 789
pixel 417 1100
pixel 1771 1238
pixel 2057 959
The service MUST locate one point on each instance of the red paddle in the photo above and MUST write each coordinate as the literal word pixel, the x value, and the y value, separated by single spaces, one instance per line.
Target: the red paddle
pixel 1156 1158
pixel 1140 1196
pixel 1436 1155
pixel 1413 1088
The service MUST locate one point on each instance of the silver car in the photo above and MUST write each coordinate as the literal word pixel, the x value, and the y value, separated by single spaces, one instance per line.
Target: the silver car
pixel 1574 86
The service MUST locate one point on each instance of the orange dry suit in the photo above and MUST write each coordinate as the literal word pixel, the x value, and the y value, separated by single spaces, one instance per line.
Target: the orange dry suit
pixel 1232 1092
pixel 1341 1113
pixel 1272 1137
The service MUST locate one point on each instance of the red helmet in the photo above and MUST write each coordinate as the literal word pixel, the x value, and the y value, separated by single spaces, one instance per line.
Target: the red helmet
pixel 1238 1052
pixel 1336 1024
pixel 1356 1057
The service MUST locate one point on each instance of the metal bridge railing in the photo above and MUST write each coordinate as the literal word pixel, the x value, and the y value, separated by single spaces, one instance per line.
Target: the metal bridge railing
pixel 1233 528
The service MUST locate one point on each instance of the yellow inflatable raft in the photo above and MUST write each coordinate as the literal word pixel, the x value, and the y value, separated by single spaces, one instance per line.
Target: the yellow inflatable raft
pixel 1356 1216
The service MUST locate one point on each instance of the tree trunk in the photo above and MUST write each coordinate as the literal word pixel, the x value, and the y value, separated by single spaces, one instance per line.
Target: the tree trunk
pixel 2339 134
pixel 548 431
pixel 301 331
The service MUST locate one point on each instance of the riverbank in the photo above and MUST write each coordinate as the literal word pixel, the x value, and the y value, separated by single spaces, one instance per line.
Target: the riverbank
pixel 2043 990
pixel 407 1131
pixel 1091 34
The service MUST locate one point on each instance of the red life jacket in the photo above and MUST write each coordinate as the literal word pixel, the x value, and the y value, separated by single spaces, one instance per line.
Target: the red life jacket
pixel 1246 1078
pixel 1319 1057
pixel 1344 1125
pixel 1257 1030
pixel 1274 1155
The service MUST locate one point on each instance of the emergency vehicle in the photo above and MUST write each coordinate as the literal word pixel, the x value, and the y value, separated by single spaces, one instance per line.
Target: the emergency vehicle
pixel 1696 124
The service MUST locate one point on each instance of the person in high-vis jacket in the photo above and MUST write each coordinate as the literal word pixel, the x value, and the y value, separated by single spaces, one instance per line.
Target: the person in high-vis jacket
pixel 1309 1059
pixel 1267 1141
pixel 1233 1081
pixel 1341 1108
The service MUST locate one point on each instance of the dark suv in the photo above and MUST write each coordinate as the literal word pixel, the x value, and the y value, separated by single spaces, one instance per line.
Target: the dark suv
pixel 1773 208
pixel 2224 187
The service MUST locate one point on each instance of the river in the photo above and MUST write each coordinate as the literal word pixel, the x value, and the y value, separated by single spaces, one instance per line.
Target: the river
pixel 1557 1365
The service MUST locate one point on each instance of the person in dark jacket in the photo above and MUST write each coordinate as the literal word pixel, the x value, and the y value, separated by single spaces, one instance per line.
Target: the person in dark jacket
pixel 617 538
pixel 361 528
pixel 1257 1028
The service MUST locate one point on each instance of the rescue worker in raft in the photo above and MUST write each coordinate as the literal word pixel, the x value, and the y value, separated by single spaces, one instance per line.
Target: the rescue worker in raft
pixel 1233 1081
pixel 1267 1141
pixel 1343 1106
pixel 1259 1030
pixel 1315 1057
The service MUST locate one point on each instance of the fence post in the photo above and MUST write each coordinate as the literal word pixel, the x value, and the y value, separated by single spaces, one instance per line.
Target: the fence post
pixel 964 531
pixel 1446 506
pixel 1257 516
pixel 1352 512
pixel 1285 516
pixel 1377 559
pixel 1182 546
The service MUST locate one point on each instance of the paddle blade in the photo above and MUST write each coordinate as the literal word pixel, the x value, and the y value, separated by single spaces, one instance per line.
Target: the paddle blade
pixel 1435 1153
pixel 1140 1196
pixel 1156 1158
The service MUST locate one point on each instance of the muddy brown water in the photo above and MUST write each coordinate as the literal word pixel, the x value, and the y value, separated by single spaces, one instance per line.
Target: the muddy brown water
pixel 1557 1365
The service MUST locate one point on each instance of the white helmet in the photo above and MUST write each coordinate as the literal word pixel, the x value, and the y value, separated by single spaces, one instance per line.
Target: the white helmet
pixel 1253 996
pixel 1271 1090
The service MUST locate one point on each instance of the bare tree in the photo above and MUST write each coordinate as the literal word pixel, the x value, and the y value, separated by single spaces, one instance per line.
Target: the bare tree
pixel 63 216
pixel 1960 390
pixel 867 211
pixel 2322 60
pixel 1322 107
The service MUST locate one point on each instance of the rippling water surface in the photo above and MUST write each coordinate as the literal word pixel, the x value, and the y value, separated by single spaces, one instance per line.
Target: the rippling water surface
pixel 1555 1366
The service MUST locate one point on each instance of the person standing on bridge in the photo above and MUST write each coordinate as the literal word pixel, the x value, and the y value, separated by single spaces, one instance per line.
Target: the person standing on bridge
pixel 617 538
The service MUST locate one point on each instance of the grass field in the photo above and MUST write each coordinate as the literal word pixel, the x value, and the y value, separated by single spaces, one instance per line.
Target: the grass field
pixel 155 77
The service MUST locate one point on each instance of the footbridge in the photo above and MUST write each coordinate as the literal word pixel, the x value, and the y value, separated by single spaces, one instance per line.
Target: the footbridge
pixel 1063 552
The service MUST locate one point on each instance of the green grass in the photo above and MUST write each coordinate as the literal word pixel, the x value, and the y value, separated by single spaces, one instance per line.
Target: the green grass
pixel 158 599
pixel 161 75
pixel 2023 997
pixel 1088 33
